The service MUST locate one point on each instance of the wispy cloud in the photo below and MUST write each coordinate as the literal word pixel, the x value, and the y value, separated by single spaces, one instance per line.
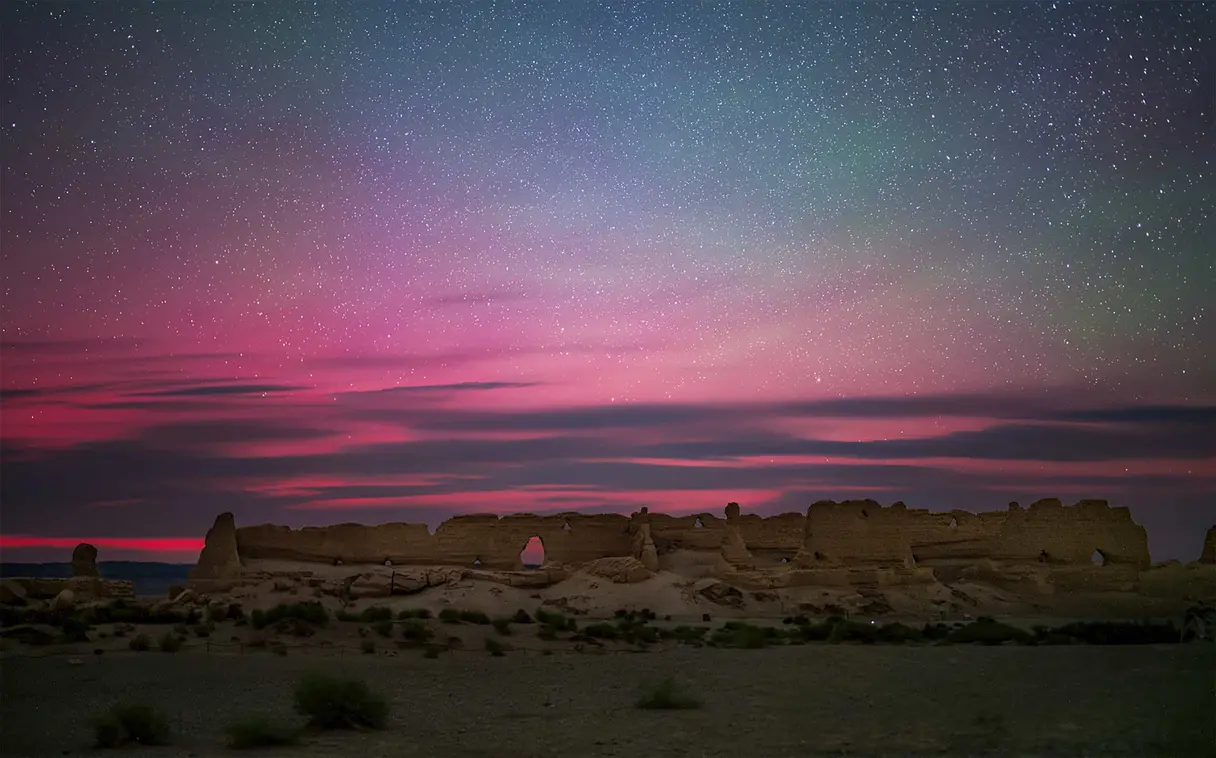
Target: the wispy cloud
pixel 222 389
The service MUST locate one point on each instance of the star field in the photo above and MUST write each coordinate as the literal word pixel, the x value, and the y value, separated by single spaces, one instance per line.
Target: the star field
pixel 372 211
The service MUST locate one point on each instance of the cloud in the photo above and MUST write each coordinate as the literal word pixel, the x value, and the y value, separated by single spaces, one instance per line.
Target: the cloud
pixel 222 389
pixel 185 469
pixel 45 346
pixel 456 387
pixel 19 393
pixel 1152 414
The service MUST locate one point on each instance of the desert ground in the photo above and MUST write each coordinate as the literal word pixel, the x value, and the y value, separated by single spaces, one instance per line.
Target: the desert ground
pixel 813 700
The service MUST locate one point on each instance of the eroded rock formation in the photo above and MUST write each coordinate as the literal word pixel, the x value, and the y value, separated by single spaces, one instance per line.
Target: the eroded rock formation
pixel 220 560
pixel 84 560
pixel 858 542
pixel 475 540
pixel 734 548
pixel 1208 554
pixel 84 586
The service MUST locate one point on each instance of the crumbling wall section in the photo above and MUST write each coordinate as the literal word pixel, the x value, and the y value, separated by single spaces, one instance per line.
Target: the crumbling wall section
pixel 473 540
pixel 1052 533
pixel 855 533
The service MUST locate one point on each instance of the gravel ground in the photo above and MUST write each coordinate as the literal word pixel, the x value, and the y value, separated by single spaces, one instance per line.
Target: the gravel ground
pixel 790 701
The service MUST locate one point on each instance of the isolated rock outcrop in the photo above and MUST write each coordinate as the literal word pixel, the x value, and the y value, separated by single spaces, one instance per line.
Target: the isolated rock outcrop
pixel 220 560
pixel 1208 554
pixel 643 543
pixel 84 560
pixel 734 549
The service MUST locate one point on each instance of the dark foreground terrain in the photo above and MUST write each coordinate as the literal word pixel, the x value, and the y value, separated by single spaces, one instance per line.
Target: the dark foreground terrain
pixel 789 701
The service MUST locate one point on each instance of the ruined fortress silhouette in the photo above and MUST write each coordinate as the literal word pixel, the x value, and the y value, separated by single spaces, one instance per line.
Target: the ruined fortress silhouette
pixel 855 534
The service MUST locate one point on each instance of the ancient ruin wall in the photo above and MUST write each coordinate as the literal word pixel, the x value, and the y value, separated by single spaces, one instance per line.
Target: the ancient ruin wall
pixel 864 533
pixel 859 533
pixel 855 532
pixel 1050 532
pixel 484 540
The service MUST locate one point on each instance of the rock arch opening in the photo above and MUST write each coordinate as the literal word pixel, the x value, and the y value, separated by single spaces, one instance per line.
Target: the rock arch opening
pixel 476 563
pixel 698 524
pixel 1098 558
pixel 565 526
pixel 533 554
pixel 953 523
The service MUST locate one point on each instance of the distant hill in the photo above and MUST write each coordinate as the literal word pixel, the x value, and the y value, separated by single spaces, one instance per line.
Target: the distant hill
pixel 148 578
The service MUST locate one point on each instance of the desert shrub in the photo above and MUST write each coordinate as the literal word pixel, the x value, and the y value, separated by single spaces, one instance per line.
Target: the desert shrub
pixel 502 626
pixel 181 629
pixel 432 651
pixel 521 617
pixel 686 635
pixel 737 634
pixel 706 618
pixel 1052 637
pixel 346 616
pixel 601 631
pixel 416 631
pixel 897 633
pixel 376 613
pixel 368 646
pixel 559 622
pixel 647 615
pixel 121 612
pixel 140 643
pixel 1116 633
pixel 169 643
pixel 202 630
pixel 75 630
pixel 336 703
pixel 449 616
pixel 310 612
pixel 802 633
pixel 934 632
pixel 260 731
pixel 844 630
pixel 280 649
pixel 621 613
pixel 643 634
pixel 546 632
pixel 295 627
pixel 666 696
pixel 474 617
pixel 988 632
pixel 414 613
pixel 383 627
pixel 131 724
pixel 496 648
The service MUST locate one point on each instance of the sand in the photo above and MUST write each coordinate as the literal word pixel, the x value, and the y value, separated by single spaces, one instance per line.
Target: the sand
pixel 789 701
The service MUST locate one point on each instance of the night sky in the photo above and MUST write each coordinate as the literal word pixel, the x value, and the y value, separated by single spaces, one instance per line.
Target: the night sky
pixel 364 261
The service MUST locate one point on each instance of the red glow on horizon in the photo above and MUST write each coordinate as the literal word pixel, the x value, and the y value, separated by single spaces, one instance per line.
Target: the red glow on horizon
pixel 142 544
